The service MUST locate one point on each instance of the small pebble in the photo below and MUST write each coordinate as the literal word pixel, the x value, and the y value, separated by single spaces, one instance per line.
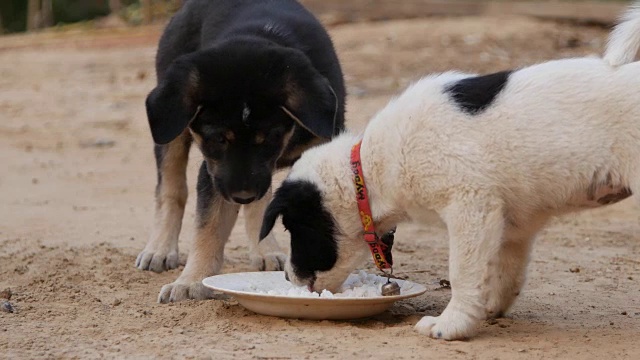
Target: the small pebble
pixel 116 302
pixel 623 313
pixel 6 294
pixel 575 270
pixel 611 323
pixel 7 307
pixel 492 321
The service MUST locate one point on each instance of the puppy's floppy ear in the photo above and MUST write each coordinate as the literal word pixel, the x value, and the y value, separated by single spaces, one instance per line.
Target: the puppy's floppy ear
pixel 175 101
pixel 271 214
pixel 310 100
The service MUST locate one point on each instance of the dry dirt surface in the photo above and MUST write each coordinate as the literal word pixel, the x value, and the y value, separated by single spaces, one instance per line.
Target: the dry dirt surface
pixel 76 187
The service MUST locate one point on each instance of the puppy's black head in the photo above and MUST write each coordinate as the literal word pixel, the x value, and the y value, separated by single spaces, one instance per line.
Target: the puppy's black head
pixel 241 101
pixel 312 229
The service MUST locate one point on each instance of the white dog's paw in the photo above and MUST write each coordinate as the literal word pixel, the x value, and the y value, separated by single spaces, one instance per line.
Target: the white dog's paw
pixel 184 290
pixel 158 259
pixel 269 262
pixel 452 325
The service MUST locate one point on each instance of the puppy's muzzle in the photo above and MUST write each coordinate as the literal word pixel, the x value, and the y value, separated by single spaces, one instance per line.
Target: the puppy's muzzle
pixel 243 197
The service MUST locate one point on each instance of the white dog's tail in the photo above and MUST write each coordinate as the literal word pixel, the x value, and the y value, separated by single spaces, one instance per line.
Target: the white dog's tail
pixel 624 40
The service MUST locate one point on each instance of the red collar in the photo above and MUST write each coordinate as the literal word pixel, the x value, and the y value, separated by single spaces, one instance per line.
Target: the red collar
pixel 379 250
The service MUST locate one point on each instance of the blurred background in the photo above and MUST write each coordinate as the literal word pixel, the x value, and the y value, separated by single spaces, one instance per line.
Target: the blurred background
pixel 29 15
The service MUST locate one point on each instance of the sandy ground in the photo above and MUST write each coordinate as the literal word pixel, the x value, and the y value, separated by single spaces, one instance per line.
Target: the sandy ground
pixel 76 189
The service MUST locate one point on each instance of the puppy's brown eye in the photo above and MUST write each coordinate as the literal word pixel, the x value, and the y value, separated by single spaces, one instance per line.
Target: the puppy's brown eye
pixel 220 139
pixel 229 136
pixel 224 137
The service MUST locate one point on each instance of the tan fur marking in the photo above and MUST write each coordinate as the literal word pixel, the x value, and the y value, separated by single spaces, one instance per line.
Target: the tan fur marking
pixel 294 95
pixel 174 179
pixel 285 141
pixel 193 88
pixel 296 152
pixel 207 255
pixel 259 139
pixel 196 138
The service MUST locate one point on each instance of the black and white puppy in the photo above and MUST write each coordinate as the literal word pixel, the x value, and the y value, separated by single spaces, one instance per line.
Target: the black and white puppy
pixel 494 157
pixel 254 83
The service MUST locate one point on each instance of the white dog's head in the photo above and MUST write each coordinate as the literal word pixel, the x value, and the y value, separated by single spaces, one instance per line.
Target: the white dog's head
pixel 318 206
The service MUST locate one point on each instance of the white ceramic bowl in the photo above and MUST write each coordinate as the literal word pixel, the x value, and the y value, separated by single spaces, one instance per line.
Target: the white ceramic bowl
pixel 239 285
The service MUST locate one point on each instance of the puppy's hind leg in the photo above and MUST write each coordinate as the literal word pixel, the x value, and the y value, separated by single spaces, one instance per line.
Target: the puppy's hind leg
pixel 476 225
pixel 161 251
pixel 266 254
pixel 215 220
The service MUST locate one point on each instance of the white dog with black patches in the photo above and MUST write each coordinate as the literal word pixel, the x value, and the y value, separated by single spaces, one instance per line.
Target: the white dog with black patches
pixel 493 156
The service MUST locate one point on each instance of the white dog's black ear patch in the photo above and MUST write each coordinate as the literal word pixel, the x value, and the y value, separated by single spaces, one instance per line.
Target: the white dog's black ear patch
pixel 475 94
pixel 312 228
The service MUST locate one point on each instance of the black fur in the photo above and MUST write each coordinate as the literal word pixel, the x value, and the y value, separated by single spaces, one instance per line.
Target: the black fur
pixel 242 49
pixel 313 230
pixel 222 59
pixel 475 94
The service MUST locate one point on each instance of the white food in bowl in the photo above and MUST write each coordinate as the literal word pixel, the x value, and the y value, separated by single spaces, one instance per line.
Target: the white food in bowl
pixel 359 285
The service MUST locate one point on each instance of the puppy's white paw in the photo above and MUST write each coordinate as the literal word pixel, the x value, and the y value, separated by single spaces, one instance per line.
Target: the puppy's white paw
pixel 451 325
pixel 158 259
pixel 269 262
pixel 181 290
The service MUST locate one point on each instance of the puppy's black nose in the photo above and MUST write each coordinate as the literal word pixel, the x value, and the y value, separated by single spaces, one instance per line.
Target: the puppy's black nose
pixel 243 197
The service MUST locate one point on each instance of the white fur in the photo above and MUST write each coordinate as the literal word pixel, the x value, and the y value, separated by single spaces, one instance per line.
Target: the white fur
pixel 624 41
pixel 557 132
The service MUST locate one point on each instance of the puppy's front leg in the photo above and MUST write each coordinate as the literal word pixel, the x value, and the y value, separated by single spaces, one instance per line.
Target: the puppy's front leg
pixel 215 220
pixel 266 254
pixel 511 272
pixel 476 227
pixel 161 251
